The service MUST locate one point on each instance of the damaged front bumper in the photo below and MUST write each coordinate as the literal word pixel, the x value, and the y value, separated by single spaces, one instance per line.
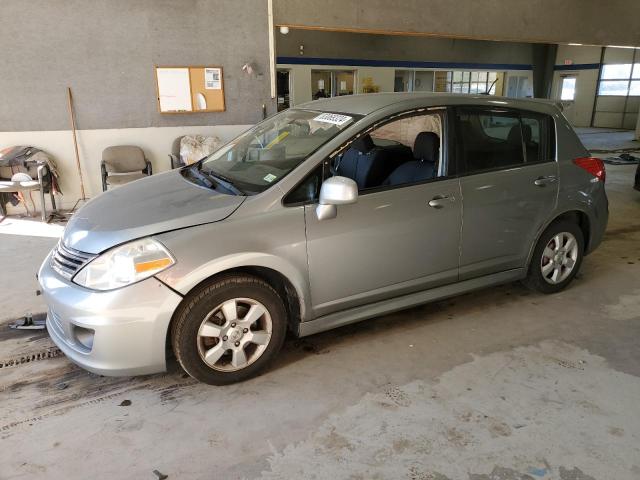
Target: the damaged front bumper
pixel 117 332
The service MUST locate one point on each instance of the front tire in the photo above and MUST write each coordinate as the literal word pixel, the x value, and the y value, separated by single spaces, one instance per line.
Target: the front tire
pixel 556 258
pixel 229 330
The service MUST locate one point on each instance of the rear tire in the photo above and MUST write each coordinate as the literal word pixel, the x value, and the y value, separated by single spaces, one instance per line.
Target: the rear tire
pixel 557 258
pixel 229 330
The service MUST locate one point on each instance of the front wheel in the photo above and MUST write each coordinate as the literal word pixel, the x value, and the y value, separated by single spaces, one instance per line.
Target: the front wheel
pixel 556 258
pixel 229 330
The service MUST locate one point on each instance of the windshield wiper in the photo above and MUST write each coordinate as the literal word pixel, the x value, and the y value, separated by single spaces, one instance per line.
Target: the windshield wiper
pixel 206 180
pixel 221 179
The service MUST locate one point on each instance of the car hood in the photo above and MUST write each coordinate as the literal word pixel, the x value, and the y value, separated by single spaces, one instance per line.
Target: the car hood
pixel 145 207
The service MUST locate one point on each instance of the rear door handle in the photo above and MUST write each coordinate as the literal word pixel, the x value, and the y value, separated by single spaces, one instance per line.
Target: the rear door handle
pixel 439 201
pixel 543 181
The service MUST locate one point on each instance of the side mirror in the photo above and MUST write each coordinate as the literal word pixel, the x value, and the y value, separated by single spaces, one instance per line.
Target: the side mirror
pixel 335 191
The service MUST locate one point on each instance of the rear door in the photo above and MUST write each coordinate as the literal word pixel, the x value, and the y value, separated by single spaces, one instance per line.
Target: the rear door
pixel 509 185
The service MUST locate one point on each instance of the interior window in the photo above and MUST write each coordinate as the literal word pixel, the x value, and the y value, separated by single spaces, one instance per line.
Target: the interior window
pixel 488 140
pixel 403 151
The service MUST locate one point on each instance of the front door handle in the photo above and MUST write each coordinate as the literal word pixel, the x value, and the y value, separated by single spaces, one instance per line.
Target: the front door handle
pixel 543 181
pixel 439 201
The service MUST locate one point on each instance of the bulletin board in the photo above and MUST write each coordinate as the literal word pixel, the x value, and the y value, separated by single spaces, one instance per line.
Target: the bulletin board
pixel 193 89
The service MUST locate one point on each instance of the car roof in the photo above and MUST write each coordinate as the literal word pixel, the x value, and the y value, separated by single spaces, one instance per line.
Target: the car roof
pixel 364 104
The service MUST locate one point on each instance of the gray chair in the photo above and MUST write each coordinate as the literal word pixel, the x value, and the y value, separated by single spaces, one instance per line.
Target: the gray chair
pixel 123 164
pixel 34 178
pixel 174 156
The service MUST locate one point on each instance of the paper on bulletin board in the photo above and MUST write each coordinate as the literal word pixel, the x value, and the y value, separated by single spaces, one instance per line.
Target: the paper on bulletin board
pixel 212 78
pixel 174 90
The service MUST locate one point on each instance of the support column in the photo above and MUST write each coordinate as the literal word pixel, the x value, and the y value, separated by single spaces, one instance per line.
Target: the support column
pixel 544 59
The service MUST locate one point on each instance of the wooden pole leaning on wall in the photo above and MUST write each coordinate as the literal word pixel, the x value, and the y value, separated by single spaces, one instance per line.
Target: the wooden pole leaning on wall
pixel 72 116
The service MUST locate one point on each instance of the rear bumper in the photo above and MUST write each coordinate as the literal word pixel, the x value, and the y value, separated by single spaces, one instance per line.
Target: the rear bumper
pixel 120 332
pixel 599 218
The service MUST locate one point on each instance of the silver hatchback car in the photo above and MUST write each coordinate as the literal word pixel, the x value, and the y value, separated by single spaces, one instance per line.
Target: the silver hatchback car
pixel 323 215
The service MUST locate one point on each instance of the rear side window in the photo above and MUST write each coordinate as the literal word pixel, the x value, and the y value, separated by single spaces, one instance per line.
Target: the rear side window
pixel 539 137
pixel 494 140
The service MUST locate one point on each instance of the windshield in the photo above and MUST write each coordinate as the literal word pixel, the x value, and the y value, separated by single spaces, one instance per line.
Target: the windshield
pixel 269 151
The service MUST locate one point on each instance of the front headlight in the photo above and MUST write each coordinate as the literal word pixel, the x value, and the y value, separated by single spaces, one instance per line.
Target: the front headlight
pixel 125 264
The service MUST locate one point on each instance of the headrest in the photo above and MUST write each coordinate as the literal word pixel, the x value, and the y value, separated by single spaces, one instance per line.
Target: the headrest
pixel 124 158
pixel 426 147
pixel 514 137
pixel 300 128
pixel 526 133
pixel 363 144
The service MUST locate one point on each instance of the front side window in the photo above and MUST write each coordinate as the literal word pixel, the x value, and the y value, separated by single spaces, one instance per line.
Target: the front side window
pixel 263 155
pixel 307 191
pixel 404 151
pixel 491 140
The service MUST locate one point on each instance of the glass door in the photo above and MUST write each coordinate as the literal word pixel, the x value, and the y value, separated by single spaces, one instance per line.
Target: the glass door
pixel 567 95
pixel 283 86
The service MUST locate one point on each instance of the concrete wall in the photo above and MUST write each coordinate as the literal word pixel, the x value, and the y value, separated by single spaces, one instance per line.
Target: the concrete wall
pixel 105 50
pixel 394 47
pixel 156 143
pixel 583 63
pixel 550 21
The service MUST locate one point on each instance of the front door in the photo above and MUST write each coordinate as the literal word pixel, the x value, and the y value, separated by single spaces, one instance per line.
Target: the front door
pixel 509 185
pixel 388 243
pixel 402 235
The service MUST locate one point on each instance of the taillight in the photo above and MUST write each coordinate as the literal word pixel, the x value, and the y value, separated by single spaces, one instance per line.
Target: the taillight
pixel 594 166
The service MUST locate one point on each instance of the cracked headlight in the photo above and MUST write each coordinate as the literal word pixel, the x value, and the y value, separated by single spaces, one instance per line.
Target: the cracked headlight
pixel 124 265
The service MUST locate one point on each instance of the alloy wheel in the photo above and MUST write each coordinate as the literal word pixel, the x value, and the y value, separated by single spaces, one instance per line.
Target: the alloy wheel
pixel 234 334
pixel 559 258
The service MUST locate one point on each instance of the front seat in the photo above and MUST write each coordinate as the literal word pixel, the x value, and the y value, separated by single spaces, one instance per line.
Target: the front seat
pixel 426 153
pixel 367 164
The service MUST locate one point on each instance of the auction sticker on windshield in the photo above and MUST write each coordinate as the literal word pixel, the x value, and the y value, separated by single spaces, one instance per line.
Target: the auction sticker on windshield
pixel 270 178
pixel 334 118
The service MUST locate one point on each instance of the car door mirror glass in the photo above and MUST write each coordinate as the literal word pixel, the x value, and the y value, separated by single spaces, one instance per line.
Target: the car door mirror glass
pixel 336 191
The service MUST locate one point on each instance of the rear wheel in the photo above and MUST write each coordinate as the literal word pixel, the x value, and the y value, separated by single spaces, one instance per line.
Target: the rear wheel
pixel 229 330
pixel 556 258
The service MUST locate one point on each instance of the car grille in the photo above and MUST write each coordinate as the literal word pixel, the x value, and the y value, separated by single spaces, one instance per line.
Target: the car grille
pixel 67 261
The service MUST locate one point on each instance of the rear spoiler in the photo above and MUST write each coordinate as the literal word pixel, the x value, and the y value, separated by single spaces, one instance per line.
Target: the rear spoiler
pixel 559 104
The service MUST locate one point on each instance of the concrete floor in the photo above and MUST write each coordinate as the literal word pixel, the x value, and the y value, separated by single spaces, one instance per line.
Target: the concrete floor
pixel 606 140
pixel 502 383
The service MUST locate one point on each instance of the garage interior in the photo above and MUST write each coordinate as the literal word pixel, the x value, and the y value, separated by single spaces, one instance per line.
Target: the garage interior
pixel 502 383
